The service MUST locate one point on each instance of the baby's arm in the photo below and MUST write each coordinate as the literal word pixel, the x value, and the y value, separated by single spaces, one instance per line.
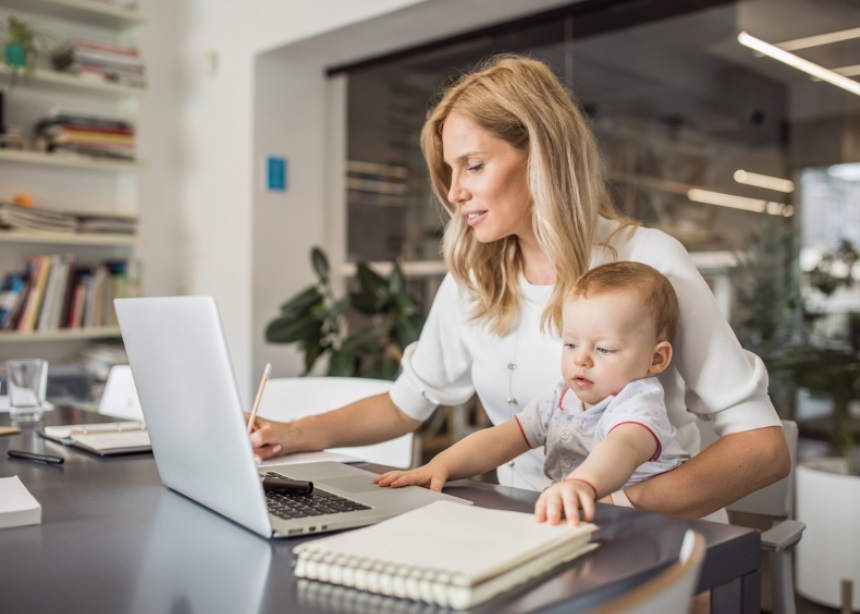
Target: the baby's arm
pixel 608 467
pixel 477 453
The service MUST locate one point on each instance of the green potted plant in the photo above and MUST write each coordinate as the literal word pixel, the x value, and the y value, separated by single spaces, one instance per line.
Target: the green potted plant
pixel 24 43
pixel 318 322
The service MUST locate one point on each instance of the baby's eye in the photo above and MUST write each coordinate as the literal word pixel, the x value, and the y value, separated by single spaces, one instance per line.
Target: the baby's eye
pixel 604 350
pixel 570 346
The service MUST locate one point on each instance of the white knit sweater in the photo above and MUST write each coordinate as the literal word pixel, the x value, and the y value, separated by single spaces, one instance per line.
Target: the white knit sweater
pixel 710 374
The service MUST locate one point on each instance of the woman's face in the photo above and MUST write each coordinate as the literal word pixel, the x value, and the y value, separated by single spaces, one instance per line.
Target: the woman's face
pixel 489 180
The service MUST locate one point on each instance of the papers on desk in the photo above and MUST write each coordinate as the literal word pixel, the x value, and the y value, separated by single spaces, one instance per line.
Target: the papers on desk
pixel 106 439
pixel 17 506
pixel 444 553
pixel 311 457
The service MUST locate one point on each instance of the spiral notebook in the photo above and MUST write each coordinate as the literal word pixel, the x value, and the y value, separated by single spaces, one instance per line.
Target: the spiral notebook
pixel 105 439
pixel 445 553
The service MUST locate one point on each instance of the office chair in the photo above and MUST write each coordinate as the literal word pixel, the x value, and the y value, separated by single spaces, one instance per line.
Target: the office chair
pixel 774 502
pixel 668 592
pixel 295 397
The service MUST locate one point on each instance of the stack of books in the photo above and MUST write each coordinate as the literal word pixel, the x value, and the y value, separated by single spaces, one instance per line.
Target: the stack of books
pixel 54 292
pixel 88 132
pixel 102 61
pixel 39 220
pixel 32 219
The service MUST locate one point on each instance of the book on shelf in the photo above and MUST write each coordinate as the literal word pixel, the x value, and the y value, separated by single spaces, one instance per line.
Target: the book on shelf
pixel 93 133
pixel 445 553
pixel 102 61
pixel 105 439
pixel 57 292
pixel 18 507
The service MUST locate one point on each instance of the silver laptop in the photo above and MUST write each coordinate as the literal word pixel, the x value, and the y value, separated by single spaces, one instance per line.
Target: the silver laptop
pixel 184 379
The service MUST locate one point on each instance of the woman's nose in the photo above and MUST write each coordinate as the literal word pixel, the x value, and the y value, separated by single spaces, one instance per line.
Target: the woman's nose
pixel 456 193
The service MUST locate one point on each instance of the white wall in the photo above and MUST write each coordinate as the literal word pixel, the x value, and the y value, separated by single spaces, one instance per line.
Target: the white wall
pixel 246 247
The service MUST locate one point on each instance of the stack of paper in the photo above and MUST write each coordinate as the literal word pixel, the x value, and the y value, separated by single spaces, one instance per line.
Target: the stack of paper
pixel 17 506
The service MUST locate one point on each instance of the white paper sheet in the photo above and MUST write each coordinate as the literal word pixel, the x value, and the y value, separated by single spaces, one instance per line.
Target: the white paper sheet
pixel 311 457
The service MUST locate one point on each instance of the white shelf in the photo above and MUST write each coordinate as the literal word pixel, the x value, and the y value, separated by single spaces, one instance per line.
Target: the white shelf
pixel 55 238
pixel 67 160
pixel 59 80
pixel 103 332
pixel 84 11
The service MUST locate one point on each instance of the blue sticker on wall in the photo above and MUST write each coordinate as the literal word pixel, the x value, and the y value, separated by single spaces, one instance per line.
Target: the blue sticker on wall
pixel 276 174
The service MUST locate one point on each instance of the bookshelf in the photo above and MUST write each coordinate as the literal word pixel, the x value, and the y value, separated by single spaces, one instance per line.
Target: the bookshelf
pixel 70 182
pixel 83 11
pixel 53 80
pixel 100 332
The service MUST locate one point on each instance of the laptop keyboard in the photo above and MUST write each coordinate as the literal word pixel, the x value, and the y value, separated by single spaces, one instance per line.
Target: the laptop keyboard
pixel 290 505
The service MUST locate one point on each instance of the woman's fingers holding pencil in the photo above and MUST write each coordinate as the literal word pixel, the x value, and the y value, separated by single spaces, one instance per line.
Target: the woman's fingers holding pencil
pixel 266 439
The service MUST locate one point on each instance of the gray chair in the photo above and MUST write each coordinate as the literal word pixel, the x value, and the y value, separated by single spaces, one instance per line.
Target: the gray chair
pixel 668 592
pixel 776 503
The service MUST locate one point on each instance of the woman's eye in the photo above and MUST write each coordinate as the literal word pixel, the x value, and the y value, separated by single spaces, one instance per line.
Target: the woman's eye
pixel 475 167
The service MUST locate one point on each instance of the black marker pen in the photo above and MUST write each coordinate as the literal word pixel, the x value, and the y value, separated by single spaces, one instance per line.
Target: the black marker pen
pixel 42 458
pixel 283 484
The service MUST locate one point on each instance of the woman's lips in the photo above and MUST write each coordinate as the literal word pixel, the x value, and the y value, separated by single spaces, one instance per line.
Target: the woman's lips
pixel 475 217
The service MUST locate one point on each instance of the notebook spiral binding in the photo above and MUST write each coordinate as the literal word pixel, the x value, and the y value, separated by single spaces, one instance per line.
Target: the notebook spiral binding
pixel 424 584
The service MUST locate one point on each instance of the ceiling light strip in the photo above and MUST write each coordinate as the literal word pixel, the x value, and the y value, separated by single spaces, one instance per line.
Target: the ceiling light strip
pixel 820 39
pixel 755 205
pixel 799 63
pixel 764 181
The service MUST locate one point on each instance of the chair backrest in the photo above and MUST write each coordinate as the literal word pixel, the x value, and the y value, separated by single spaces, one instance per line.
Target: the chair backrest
pixel 775 500
pixel 295 397
pixel 671 590
pixel 119 398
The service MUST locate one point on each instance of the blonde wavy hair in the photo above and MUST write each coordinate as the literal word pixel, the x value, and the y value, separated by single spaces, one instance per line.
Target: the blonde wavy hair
pixel 520 101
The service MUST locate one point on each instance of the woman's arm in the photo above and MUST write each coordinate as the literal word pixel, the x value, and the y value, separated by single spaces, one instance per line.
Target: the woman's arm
pixel 366 421
pixel 734 466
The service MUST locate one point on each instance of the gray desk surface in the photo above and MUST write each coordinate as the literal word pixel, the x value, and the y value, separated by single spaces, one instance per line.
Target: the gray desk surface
pixel 114 540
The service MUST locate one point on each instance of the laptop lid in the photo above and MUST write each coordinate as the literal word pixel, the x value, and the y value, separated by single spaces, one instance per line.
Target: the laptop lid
pixel 186 386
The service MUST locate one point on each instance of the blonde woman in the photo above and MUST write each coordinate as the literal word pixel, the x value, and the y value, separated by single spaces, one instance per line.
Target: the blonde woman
pixel 512 160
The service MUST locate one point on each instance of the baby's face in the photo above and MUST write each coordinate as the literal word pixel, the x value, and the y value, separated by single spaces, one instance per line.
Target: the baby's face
pixel 609 341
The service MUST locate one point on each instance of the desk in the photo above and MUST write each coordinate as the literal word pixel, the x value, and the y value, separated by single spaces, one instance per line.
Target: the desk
pixel 114 540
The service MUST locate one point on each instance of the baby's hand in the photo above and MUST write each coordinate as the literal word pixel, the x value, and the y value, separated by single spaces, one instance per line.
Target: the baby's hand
pixel 565 499
pixel 430 476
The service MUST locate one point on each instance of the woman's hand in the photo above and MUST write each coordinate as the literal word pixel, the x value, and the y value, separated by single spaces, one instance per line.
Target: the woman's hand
pixel 565 499
pixel 430 476
pixel 268 438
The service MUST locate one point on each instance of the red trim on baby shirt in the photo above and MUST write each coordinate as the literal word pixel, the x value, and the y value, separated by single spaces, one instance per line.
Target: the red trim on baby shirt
pixel 650 430
pixel 517 418
pixel 561 398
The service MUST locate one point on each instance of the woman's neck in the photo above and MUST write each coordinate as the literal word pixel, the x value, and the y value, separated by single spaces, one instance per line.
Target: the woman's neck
pixel 537 268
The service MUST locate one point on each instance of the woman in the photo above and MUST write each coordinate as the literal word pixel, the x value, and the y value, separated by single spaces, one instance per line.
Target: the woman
pixel 512 160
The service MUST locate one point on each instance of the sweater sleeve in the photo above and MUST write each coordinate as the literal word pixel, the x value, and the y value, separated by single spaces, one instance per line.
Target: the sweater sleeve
pixel 722 381
pixel 437 367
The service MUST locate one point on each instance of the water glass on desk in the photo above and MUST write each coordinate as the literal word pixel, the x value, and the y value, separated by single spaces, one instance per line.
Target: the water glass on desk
pixel 26 384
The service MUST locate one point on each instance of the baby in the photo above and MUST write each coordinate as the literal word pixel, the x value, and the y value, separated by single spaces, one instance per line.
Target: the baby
pixel 605 426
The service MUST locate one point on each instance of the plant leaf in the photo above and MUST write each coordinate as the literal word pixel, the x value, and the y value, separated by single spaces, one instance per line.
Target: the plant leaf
pixel 313 350
pixel 343 363
pixel 289 330
pixel 383 368
pixel 373 284
pixel 301 303
pixel 320 264
pixel 408 329
pixel 396 281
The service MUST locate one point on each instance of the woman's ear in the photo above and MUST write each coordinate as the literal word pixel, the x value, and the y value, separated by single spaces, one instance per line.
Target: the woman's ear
pixel 661 358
